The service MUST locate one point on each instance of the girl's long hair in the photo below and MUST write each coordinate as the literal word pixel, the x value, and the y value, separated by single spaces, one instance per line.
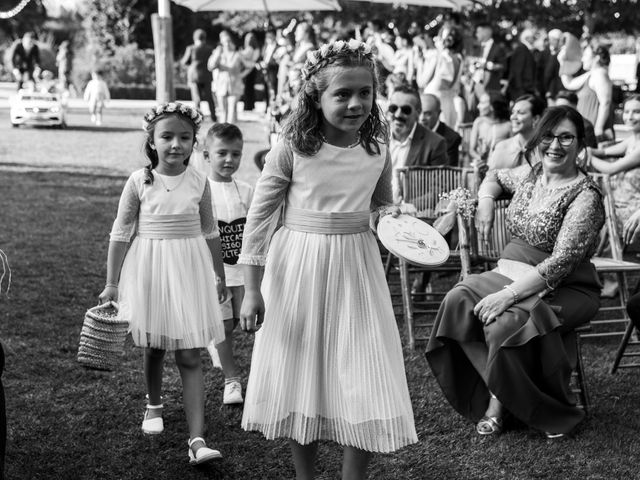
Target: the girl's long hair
pixel 302 127
pixel 151 153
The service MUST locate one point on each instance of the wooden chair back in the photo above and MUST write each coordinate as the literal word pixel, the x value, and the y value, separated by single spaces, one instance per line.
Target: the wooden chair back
pixel 422 186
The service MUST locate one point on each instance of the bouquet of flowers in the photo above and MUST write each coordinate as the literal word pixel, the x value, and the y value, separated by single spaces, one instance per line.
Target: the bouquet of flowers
pixel 457 201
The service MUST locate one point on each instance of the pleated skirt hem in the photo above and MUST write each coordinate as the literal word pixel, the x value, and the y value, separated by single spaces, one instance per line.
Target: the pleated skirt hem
pixel 379 436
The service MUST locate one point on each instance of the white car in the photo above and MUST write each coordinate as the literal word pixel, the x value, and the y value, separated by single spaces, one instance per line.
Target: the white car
pixel 36 108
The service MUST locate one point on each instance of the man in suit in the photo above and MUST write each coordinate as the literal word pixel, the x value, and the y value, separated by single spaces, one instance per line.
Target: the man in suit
pixel 198 75
pixel 411 144
pixel 492 63
pixel 430 119
pixel 521 73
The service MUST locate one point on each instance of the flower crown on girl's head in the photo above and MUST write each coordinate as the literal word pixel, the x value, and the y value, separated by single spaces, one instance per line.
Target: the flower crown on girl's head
pixel 172 107
pixel 327 53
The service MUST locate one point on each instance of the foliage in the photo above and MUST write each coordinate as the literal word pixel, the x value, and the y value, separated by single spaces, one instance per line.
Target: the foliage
pixel 126 65
pixel 108 23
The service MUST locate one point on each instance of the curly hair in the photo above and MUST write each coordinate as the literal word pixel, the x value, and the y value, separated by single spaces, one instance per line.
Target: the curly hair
pixel 302 127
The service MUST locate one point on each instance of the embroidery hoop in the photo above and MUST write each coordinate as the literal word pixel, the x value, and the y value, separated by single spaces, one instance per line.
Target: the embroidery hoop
pixel 414 240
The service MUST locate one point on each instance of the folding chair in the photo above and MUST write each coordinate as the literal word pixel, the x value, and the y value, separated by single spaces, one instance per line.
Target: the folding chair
pixel 620 324
pixel 422 187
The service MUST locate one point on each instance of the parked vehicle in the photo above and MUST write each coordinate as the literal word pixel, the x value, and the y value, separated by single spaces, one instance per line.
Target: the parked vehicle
pixel 36 108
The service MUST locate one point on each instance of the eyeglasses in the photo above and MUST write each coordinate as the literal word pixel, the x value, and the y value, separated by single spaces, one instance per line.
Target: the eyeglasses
pixel 565 139
pixel 405 109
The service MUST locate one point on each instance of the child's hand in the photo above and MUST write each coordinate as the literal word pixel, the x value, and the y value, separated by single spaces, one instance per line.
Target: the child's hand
pixel 110 293
pixel 252 312
pixel 393 210
pixel 221 287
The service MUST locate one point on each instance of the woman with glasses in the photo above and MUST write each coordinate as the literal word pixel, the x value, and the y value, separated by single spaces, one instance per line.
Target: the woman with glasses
pixel 503 340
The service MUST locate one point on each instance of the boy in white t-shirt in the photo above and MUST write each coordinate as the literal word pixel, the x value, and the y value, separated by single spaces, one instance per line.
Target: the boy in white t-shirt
pixel 231 198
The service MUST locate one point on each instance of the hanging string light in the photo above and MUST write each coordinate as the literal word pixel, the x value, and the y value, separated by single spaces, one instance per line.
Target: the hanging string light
pixel 15 10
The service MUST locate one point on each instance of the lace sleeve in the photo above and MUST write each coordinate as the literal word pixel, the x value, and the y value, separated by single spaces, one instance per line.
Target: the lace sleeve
pixel 265 208
pixel 126 220
pixel 577 238
pixel 508 178
pixel 383 194
pixel 207 214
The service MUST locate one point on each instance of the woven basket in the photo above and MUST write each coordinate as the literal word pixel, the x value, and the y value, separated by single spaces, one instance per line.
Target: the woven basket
pixel 102 337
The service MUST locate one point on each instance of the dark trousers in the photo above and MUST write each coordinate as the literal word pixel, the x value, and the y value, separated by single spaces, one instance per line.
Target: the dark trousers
pixel 202 91
pixel 249 97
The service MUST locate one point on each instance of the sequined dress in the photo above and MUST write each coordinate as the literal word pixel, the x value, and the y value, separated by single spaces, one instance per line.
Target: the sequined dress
pixel 525 357
pixel 328 363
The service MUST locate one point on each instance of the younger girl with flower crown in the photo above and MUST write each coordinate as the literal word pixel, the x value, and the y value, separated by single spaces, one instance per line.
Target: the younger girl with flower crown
pixel 165 282
pixel 327 363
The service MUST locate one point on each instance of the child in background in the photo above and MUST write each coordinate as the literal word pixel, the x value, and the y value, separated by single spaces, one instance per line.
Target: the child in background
pixel 327 362
pixel 165 282
pixel 96 94
pixel 231 200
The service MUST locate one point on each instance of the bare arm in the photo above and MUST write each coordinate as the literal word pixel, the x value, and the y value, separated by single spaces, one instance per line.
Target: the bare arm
pixel 602 86
pixel 574 83
pixel 115 257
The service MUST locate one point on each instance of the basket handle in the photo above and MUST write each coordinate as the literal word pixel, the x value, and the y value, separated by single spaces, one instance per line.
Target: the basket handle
pixel 110 303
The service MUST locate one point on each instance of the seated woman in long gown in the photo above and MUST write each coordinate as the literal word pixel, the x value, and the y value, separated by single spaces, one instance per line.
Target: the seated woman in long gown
pixel 503 340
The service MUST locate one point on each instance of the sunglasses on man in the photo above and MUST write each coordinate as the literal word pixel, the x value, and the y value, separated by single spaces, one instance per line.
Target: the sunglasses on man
pixel 405 109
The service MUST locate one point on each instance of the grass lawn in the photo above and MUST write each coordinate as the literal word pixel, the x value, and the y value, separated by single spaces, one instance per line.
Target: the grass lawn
pixel 66 422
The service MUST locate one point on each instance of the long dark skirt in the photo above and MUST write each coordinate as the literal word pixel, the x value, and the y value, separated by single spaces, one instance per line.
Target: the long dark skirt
pixel 525 357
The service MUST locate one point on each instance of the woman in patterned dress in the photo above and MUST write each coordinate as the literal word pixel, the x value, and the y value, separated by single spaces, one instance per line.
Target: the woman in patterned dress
pixel 503 340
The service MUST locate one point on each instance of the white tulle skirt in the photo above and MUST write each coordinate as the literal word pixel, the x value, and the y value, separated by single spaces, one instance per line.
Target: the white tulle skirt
pixel 328 364
pixel 167 292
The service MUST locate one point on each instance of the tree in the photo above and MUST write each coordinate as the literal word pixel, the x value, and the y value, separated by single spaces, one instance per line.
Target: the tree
pixel 109 23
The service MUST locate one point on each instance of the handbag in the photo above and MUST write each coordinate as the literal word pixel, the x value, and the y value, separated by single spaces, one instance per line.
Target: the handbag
pixel 102 337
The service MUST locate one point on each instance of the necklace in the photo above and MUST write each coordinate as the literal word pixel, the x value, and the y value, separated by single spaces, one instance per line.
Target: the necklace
pixel 351 145
pixel 182 175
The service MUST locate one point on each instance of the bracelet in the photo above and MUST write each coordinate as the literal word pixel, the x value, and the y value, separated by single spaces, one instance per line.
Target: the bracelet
pixel 220 280
pixel 486 195
pixel 513 292
pixel 114 285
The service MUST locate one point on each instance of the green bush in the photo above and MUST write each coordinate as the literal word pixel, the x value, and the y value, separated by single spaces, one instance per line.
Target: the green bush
pixel 127 65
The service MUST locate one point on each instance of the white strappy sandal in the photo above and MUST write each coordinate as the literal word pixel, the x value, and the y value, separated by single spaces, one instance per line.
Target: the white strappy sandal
pixel 204 454
pixel 152 426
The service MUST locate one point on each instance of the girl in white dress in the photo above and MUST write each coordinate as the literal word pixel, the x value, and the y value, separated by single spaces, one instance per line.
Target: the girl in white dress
pixel 165 282
pixel 327 363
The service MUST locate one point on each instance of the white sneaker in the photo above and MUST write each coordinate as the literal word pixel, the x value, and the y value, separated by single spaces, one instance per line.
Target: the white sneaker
pixel 232 393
